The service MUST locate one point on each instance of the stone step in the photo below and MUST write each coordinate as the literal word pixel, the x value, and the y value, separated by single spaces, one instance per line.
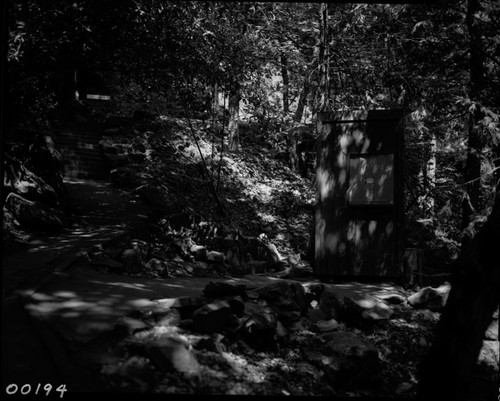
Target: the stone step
pixel 91 163
pixel 85 175
pixel 65 140
pixel 66 150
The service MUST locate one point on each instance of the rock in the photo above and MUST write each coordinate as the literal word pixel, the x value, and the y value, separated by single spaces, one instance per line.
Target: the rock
pixel 214 256
pixel 157 265
pixel 489 354
pixel 280 330
pixel 172 318
pixel 237 305
pixel 216 289
pixel 300 296
pixel 44 155
pixel 259 330
pixel 365 307
pixel 131 325
pixel 211 343
pixel 20 180
pixel 430 298
pixel 327 325
pixel 394 299
pixel 182 247
pixel 167 353
pixel 288 316
pixel 316 357
pixel 492 331
pixel 347 345
pixel 277 293
pixel 35 214
pixel 329 303
pixel 189 302
pixel 404 388
pixel 137 369
pixel 316 315
pixel 211 318
pixel 354 361
pixel 131 258
pixel 311 372
pixel 314 290
pixel 199 252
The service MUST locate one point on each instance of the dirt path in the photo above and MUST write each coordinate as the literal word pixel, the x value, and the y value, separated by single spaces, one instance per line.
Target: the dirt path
pixel 31 353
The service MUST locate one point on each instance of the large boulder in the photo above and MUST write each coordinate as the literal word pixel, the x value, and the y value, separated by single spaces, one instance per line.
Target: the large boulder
pixel 492 331
pixel 132 260
pixel 279 293
pixel 43 156
pixel 329 303
pixel 353 361
pixel 364 308
pixel 22 181
pixel 430 298
pixel 260 325
pixel 169 353
pixel 211 318
pixel 35 214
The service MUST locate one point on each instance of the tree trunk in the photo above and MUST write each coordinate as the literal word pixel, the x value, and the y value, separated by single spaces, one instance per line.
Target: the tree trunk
pixel 302 102
pixel 323 58
pixel 286 83
pixel 472 171
pixel 234 109
pixel 446 371
pixel 427 178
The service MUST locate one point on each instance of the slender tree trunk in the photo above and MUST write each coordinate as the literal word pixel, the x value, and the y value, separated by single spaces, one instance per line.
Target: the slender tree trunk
pixel 427 178
pixel 472 171
pixel 324 81
pixel 302 102
pixel 234 111
pixel 284 76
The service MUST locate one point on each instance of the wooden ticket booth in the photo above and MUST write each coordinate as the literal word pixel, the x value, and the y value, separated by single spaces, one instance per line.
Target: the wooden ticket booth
pixel 359 213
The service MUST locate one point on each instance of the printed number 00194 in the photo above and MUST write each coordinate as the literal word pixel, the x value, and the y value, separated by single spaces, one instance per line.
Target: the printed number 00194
pixel 26 389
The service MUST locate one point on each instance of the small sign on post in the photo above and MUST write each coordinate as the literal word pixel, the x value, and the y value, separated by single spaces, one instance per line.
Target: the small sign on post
pixel 98 97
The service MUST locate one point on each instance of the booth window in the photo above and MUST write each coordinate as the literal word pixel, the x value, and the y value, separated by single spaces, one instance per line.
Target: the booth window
pixel 371 179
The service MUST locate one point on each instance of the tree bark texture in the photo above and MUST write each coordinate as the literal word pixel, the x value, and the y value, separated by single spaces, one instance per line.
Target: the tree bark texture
pixel 286 83
pixel 472 171
pixel 446 371
pixel 234 108
pixel 324 81
pixel 302 102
